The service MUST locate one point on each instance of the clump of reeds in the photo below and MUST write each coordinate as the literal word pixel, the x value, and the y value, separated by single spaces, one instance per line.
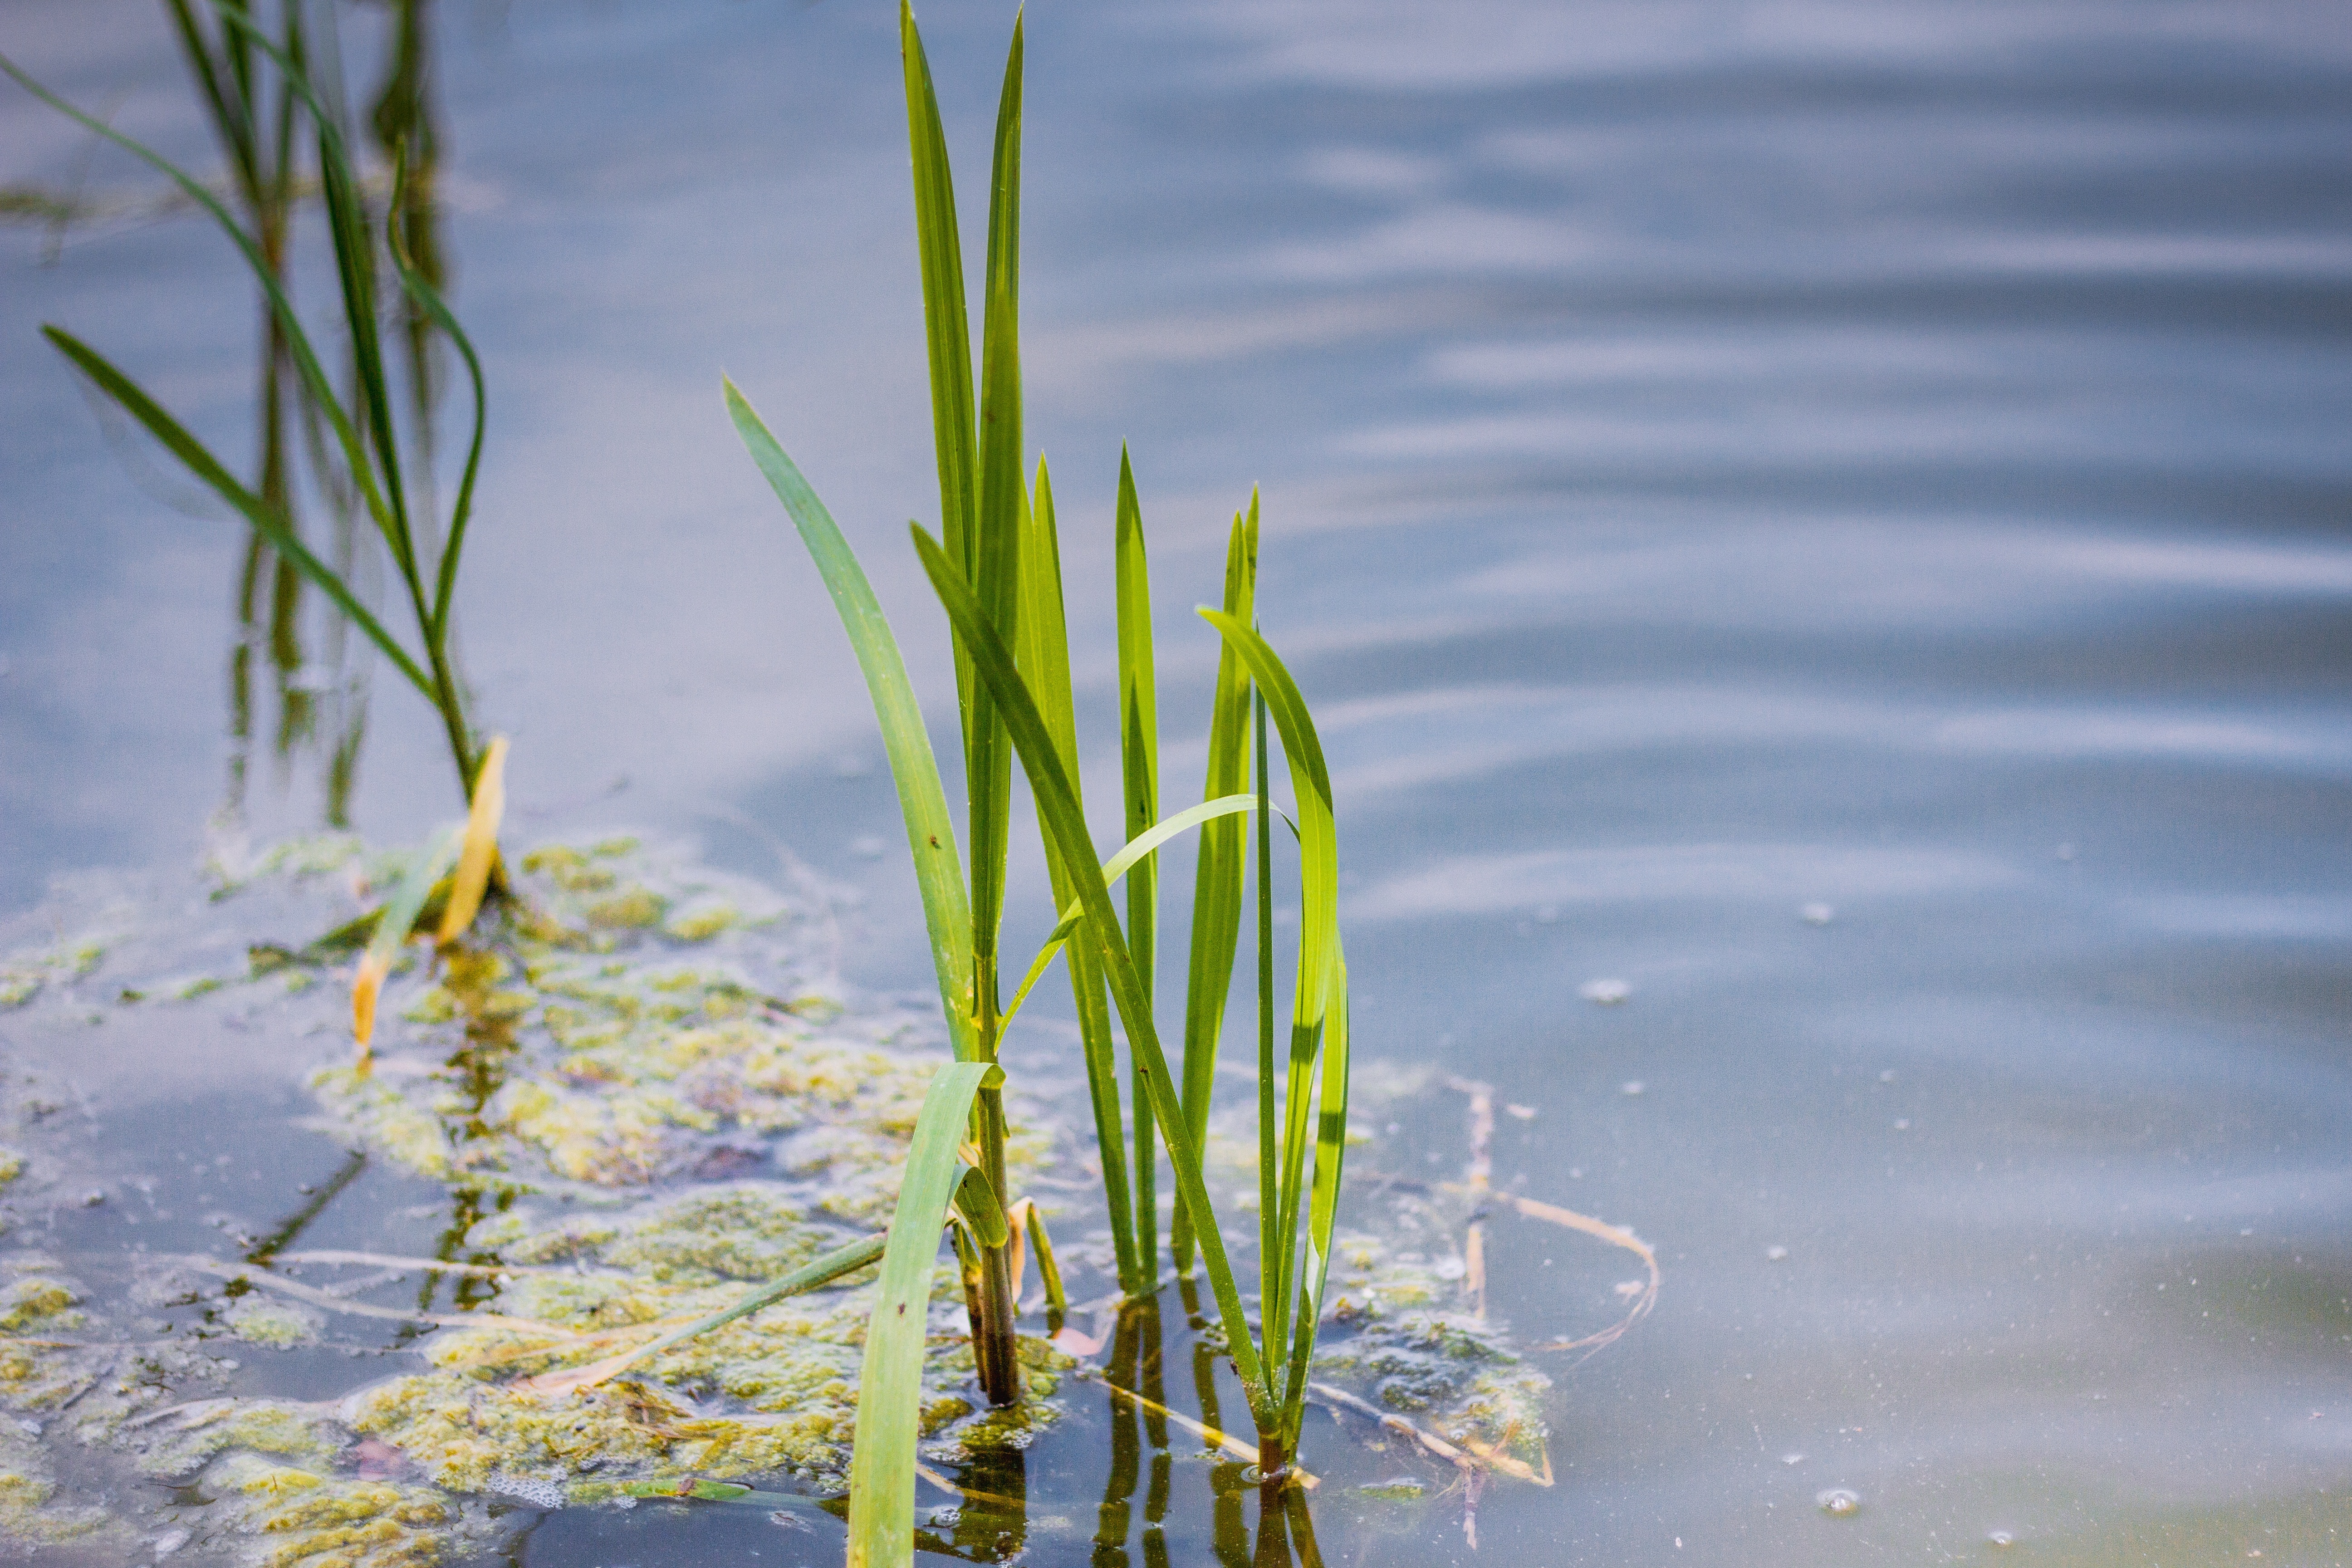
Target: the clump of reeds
pixel 367 455
pixel 363 456
pixel 996 567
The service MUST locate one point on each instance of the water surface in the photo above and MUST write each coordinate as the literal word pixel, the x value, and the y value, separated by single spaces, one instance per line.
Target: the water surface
pixel 1831 516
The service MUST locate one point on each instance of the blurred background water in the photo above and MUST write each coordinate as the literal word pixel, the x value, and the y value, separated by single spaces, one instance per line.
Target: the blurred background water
pixel 1830 516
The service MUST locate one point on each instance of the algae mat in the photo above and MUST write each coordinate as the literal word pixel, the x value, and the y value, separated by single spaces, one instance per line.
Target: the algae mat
pixel 638 1092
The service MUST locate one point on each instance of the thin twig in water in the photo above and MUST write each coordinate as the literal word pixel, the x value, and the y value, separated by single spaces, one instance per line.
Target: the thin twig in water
pixel 419 1265
pixel 253 1276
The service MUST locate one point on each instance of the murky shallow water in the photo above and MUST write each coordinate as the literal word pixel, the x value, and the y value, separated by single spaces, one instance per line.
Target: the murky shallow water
pixel 1719 460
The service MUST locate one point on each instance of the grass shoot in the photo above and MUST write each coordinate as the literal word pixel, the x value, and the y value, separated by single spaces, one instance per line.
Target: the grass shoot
pixel 995 566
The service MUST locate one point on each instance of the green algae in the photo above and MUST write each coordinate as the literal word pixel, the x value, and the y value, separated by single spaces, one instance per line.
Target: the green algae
pixel 295 1514
pixel 663 1114
pixel 773 1392
pixel 275 1325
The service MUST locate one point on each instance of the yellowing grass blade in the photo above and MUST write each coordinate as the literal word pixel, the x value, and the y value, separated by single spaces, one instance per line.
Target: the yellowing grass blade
pixel 889 1390
pixel 391 927
pixel 481 849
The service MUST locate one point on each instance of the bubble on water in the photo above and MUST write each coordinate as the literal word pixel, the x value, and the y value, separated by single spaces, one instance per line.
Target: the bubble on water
pixel 1630 1088
pixel 1840 1503
pixel 2000 1538
pixel 1604 993
pixel 1817 914
pixel 1776 1255
pixel 538 1493
pixel 1792 1458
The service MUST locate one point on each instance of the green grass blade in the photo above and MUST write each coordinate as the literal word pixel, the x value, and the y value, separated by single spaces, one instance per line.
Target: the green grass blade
pixel 994 663
pixel 930 833
pixel 976 1206
pixel 265 520
pixel 1049 1272
pixel 889 1390
pixel 298 342
pixel 428 300
pixel 1138 750
pixel 1318 937
pixel 1323 1202
pixel 1311 785
pixel 347 227
pixel 947 331
pixel 1274 1253
pixel 1042 656
pixel 1217 873
pixel 818 1272
pixel 1117 866
pixel 231 119
pixel 1004 497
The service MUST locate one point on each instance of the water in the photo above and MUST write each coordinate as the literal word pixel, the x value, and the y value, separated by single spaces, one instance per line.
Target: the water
pixel 1722 464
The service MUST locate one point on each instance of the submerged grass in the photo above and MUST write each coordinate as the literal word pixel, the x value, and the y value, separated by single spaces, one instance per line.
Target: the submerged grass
pixel 995 566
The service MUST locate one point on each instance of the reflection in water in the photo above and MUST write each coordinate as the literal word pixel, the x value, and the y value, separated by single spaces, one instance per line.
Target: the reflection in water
pixel 475 1072
pixel 1286 1532
pixel 259 125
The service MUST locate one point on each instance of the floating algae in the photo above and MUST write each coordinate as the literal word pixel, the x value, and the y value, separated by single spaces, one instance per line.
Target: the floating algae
pixel 643 1094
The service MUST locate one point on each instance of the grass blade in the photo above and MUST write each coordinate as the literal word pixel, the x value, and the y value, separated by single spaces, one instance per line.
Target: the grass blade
pixel 889 1389
pixel 930 833
pixel 428 300
pixel 995 561
pixel 392 928
pixel 480 851
pixel 811 1276
pixel 947 332
pixel 208 469
pixel 1043 659
pixel 1117 866
pixel 1138 752
pixel 298 342
pixel 1217 872
pixel 1047 781
pixel 1323 1202
pixel 1272 1255
pixel 976 1206
pixel 1318 944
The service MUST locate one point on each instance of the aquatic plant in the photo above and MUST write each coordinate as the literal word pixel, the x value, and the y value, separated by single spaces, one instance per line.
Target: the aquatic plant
pixel 996 570
pixel 365 451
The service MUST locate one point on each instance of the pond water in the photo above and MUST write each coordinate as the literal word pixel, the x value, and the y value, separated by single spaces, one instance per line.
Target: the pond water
pixel 1816 534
